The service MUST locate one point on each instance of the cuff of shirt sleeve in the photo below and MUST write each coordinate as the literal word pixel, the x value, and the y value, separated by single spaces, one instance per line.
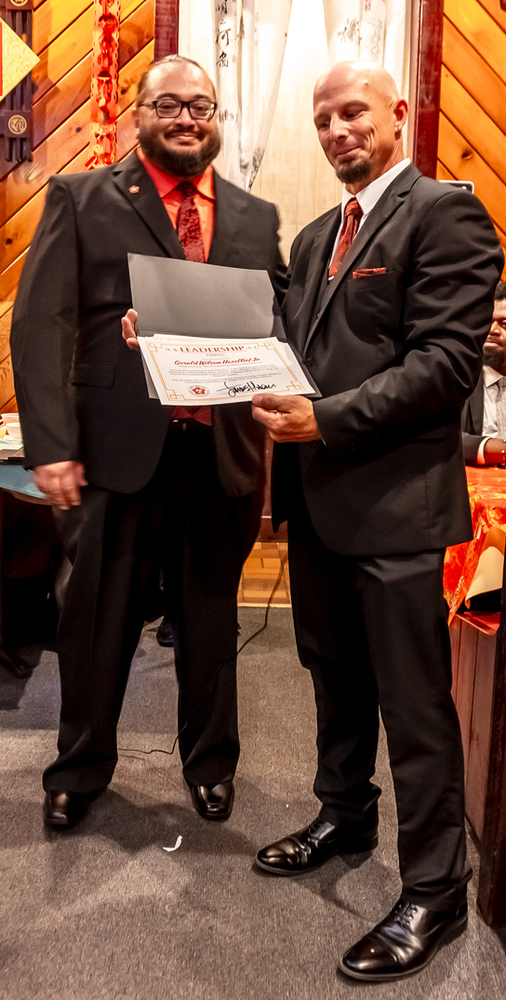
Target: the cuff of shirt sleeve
pixel 480 458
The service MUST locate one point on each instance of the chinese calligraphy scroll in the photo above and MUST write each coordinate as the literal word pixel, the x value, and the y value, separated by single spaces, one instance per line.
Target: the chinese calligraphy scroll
pixel 104 84
pixel 371 31
pixel 250 38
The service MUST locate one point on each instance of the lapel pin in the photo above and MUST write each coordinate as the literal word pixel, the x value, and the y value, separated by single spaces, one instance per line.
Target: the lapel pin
pixel 134 189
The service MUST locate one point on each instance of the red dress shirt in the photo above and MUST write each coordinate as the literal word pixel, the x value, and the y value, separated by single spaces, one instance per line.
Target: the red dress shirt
pixel 166 185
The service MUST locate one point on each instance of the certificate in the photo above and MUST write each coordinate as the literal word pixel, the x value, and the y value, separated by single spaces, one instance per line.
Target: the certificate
pixel 192 371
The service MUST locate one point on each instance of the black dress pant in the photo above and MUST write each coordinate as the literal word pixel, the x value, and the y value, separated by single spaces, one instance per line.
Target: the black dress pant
pixel 184 523
pixel 373 632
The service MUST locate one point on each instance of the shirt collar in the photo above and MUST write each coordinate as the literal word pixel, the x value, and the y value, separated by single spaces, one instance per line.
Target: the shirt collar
pixel 165 182
pixel 490 376
pixel 369 195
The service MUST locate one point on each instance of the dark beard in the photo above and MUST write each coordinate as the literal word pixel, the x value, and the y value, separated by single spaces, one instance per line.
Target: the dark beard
pixel 189 164
pixel 352 173
pixel 495 357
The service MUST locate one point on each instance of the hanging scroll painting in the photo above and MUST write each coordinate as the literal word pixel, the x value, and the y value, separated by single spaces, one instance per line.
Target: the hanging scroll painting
pixel 250 39
pixel 371 31
pixel 355 29
pixel 104 84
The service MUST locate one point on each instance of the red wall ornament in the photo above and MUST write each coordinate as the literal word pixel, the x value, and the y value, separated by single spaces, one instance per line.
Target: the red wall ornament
pixel 104 84
pixel 166 28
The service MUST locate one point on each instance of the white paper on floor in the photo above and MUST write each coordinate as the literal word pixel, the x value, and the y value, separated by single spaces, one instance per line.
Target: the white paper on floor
pixel 179 841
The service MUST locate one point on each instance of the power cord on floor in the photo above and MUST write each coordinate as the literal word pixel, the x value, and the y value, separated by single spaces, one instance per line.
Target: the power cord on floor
pixel 146 753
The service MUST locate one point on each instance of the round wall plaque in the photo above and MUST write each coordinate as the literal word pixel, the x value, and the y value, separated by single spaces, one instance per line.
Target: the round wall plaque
pixel 17 124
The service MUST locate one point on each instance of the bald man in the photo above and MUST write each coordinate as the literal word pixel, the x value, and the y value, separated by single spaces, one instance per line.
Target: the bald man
pixel 390 300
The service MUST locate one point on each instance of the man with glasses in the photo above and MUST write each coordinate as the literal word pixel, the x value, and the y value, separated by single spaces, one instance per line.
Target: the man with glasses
pixel 135 484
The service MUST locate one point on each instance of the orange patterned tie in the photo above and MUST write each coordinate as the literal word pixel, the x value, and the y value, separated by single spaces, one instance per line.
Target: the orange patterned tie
pixel 352 216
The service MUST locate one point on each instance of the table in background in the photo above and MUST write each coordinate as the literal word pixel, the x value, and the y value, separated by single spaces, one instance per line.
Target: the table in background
pixel 479 683
pixel 30 552
pixel 487 497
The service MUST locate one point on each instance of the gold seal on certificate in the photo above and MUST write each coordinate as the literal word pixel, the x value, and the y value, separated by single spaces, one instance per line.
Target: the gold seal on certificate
pixel 186 371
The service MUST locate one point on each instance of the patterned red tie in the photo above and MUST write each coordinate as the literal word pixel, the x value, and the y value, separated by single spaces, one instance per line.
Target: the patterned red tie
pixel 188 224
pixel 190 237
pixel 352 216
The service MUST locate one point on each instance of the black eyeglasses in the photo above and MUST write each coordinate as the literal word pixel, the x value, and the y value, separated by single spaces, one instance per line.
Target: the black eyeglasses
pixel 166 107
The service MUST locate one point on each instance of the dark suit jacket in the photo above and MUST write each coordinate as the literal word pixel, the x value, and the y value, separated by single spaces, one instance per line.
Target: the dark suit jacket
pixel 81 392
pixel 472 424
pixel 395 355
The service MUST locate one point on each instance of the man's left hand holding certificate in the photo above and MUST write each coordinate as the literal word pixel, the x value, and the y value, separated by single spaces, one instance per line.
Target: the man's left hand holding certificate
pixel 215 366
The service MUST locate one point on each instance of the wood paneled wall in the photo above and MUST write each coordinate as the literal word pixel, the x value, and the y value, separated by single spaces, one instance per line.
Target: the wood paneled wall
pixel 472 133
pixel 62 38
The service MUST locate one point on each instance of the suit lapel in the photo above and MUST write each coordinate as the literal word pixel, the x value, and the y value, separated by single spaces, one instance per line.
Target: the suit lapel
pixel 228 212
pixel 318 261
pixel 389 202
pixel 476 406
pixel 136 185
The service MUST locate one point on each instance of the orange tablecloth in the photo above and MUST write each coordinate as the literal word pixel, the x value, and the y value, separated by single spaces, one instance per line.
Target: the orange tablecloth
pixel 487 496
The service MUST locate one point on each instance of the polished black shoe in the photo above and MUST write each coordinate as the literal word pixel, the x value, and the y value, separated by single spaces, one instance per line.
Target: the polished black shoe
pixel 63 810
pixel 311 847
pixel 403 943
pixel 164 634
pixel 213 802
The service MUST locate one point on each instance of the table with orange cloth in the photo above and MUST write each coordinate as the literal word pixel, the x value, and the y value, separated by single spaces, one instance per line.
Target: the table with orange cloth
pixel 487 497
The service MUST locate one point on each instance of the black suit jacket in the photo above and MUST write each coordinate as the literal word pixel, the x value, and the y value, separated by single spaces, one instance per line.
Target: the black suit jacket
pixel 472 424
pixel 395 355
pixel 81 392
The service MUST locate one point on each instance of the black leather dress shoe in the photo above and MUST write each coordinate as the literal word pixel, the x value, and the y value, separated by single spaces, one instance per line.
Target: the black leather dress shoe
pixel 403 943
pixel 311 847
pixel 63 810
pixel 164 633
pixel 213 802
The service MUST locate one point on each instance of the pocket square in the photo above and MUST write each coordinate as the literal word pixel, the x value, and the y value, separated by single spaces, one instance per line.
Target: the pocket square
pixel 365 272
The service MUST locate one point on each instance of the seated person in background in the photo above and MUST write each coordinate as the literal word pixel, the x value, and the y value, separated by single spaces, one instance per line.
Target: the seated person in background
pixel 484 413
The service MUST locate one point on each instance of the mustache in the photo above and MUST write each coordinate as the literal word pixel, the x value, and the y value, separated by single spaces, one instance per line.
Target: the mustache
pixel 182 128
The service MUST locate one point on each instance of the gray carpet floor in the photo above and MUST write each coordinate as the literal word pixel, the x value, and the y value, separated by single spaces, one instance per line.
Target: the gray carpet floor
pixel 105 912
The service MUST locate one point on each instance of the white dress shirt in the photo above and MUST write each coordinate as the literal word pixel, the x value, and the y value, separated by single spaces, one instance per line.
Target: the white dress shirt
pixel 370 195
pixel 490 393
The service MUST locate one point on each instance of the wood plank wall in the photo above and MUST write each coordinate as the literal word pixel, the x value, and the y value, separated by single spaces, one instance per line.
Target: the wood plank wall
pixel 62 38
pixel 472 132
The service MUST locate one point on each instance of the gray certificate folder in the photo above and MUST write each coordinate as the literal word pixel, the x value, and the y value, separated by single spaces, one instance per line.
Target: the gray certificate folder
pixel 183 298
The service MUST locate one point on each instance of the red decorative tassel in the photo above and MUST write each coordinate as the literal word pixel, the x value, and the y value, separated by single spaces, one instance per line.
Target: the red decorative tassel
pixel 104 84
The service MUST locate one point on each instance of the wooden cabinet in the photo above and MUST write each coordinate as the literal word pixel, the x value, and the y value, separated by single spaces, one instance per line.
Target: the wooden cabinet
pixel 479 690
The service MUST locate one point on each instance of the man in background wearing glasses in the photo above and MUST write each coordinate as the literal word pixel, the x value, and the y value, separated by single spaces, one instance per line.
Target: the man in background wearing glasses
pixel 132 482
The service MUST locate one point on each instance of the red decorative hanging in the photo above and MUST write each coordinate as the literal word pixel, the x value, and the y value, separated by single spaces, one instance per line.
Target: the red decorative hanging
pixel 104 84
pixel 166 28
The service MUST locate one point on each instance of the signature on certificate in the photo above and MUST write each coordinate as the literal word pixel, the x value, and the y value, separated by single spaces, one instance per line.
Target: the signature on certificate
pixel 235 390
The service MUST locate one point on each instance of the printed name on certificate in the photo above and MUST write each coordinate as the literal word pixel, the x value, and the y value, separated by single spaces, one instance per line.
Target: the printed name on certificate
pixel 191 372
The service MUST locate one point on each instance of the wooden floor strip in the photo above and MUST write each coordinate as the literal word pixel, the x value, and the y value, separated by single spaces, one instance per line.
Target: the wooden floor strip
pixel 259 576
